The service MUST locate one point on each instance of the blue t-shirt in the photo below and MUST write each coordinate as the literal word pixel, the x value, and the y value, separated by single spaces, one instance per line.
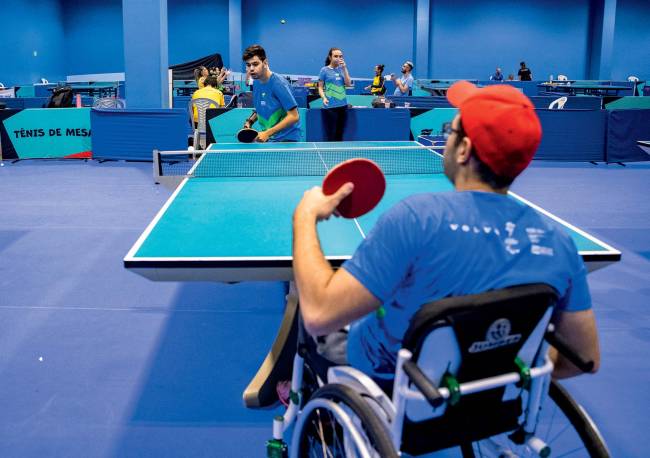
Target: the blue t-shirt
pixel 334 86
pixel 408 80
pixel 497 77
pixel 431 246
pixel 272 101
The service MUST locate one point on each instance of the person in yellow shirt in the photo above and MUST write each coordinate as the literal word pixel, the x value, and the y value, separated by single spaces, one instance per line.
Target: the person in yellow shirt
pixel 200 74
pixel 211 92
pixel 377 87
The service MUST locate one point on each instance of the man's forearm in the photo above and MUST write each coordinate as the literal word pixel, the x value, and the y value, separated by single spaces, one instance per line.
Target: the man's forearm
pixel 251 119
pixel 311 270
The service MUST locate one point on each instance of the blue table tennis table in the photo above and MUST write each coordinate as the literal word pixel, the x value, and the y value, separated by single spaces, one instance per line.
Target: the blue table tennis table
pixel 230 217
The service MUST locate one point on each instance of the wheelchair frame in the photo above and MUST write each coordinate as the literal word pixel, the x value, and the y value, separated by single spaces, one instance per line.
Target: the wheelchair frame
pixel 392 412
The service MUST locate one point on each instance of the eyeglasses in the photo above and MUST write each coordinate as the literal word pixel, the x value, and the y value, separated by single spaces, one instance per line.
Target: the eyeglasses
pixel 447 130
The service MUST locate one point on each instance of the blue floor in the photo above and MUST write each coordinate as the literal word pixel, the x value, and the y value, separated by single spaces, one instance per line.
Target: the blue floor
pixel 96 361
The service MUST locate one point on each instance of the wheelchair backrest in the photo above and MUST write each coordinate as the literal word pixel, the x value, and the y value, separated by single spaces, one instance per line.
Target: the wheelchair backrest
pixel 477 336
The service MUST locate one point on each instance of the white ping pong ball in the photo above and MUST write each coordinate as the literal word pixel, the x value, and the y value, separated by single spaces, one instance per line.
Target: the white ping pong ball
pixel 282 21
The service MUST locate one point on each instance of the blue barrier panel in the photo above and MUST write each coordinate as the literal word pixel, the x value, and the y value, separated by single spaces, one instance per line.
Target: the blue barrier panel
pixel 624 128
pixel 133 134
pixel 420 102
pixel 43 90
pixel 572 135
pixel 25 102
pixel 300 94
pixel 366 124
pixel 354 100
pixel 572 103
pixel 527 87
pixel 36 102
pixel 181 101
pixel 17 103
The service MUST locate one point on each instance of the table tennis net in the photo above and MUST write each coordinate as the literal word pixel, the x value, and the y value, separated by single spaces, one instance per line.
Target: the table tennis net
pixel 276 162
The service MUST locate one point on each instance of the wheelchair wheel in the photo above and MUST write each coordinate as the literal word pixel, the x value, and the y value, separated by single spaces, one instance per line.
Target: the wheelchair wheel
pixel 563 425
pixel 338 422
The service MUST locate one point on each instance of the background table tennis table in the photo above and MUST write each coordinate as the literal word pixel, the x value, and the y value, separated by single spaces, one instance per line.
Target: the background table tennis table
pixel 586 89
pixel 237 228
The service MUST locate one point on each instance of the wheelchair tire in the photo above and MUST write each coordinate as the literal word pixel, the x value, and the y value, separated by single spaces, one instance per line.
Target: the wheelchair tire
pixel 582 423
pixel 373 428
pixel 569 429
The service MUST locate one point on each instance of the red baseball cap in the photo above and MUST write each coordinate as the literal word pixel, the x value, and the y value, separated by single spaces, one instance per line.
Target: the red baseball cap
pixel 501 123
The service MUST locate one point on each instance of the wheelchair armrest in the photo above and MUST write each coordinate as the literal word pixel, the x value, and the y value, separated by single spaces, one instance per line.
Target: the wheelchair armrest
pixel 565 349
pixel 422 382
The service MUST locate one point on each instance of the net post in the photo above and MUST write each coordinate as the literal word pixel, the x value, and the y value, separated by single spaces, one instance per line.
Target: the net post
pixel 157 166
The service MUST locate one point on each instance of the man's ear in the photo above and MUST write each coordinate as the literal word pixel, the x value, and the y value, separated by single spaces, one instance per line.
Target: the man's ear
pixel 464 151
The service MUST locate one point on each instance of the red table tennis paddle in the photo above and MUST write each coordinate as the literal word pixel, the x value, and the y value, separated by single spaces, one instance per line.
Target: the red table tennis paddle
pixel 247 135
pixel 369 186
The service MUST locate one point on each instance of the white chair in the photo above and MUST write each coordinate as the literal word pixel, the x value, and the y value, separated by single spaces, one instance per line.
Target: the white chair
pixel 200 130
pixel 635 80
pixel 558 103
pixel 562 78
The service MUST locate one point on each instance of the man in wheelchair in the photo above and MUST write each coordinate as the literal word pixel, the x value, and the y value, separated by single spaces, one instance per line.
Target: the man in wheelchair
pixel 465 254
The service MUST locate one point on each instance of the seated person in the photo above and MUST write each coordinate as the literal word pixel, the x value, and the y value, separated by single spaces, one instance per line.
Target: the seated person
pixel 497 75
pixel 404 84
pixel 435 245
pixel 377 87
pixel 200 74
pixel 209 91
pixel 221 75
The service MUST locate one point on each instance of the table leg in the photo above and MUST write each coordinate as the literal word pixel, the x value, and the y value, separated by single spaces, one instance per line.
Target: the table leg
pixel 277 366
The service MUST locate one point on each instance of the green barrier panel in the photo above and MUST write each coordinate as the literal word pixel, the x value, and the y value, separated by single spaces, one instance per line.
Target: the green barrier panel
pixel 628 103
pixel 419 92
pixel 431 119
pixel 50 133
pixel 354 100
pixel 26 91
pixel 227 123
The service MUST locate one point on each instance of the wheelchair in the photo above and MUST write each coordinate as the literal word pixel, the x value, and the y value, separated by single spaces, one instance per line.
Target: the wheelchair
pixel 472 378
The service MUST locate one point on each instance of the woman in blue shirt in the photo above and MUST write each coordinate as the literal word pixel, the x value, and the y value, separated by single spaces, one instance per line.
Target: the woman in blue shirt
pixel 332 80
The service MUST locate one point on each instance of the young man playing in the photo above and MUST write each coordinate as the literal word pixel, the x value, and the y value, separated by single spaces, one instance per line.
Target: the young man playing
pixel 275 107
pixel 431 246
